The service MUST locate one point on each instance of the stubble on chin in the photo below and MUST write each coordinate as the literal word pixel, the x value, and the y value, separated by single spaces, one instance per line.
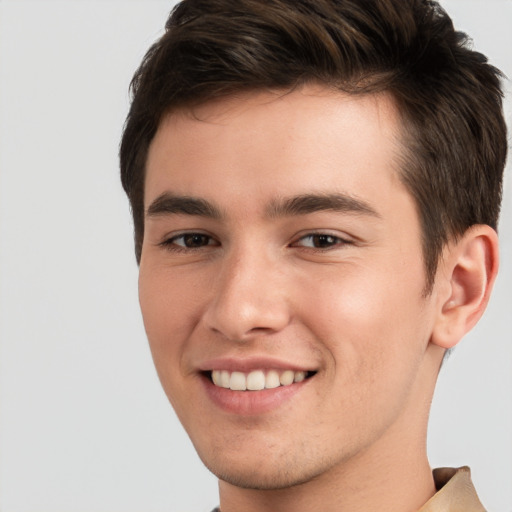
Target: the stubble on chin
pixel 272 472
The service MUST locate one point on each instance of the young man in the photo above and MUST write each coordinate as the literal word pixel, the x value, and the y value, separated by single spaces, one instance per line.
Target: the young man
pixel 315 188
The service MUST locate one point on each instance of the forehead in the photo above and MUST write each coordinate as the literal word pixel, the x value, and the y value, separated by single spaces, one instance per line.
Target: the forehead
pixel 269 144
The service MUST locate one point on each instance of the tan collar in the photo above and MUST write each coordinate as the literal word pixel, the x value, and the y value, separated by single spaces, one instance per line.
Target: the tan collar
pixel 455 492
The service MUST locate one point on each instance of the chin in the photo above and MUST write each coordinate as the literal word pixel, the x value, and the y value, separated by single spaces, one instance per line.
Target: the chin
pixel 261 480
pixel 270 475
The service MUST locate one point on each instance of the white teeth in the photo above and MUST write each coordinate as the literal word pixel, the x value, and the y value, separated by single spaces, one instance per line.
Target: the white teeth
pixel 237 382
pixel 299 376
pixel 216 377
pixel 224 379
pixel 272 380
pixel 256 380
pixel 221 378
pixel 287 377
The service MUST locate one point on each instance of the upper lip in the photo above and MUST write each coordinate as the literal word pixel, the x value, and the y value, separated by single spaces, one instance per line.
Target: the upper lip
pixel 249 364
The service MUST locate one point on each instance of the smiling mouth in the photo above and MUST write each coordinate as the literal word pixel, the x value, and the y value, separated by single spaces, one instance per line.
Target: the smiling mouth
pixel 257 380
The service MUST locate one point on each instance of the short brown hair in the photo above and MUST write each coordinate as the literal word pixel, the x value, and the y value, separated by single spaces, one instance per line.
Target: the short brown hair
pixel 449 97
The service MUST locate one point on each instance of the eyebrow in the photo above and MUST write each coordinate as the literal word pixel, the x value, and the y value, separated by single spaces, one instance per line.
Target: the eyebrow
pixel 311 203
pixel 169 204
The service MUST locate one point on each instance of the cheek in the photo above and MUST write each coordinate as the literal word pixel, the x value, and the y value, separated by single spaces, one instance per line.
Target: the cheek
pixel 170 300
pixel 373 332
pixel 168 312
pixel 367 318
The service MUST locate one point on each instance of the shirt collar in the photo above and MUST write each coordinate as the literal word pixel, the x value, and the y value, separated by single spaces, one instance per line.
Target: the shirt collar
pixel 455 492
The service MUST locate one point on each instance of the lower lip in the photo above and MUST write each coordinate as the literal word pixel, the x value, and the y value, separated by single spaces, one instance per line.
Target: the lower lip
pixel 249 403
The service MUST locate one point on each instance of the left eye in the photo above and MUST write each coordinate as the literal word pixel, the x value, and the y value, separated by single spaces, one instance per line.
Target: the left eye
pixel 320 241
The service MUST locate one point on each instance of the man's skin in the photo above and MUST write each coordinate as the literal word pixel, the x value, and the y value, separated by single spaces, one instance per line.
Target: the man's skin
pixel 332 284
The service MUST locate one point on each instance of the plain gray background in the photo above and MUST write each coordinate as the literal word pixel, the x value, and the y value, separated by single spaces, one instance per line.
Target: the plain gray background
pixel 84 425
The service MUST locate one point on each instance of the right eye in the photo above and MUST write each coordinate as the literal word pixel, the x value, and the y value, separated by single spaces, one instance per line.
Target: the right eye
pixel 189 241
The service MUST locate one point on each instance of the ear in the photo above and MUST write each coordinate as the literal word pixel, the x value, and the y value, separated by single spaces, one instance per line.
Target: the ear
pixel 464 282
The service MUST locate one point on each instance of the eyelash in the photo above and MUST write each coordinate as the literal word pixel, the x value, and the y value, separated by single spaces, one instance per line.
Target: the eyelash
pixel 332 241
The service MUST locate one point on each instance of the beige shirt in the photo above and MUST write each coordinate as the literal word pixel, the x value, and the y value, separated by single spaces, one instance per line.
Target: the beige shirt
pixel 455 492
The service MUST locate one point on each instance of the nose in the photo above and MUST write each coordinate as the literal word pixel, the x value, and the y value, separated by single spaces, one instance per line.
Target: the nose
pixel 249 298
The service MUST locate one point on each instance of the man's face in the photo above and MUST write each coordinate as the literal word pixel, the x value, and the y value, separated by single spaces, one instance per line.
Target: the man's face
pixel 280 244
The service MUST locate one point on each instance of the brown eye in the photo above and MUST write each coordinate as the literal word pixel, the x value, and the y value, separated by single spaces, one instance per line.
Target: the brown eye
pixel 187 241
pixel 193 240
pixel 321 241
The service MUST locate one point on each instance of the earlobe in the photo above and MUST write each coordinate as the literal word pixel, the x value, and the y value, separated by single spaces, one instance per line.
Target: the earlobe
pixel 469 268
